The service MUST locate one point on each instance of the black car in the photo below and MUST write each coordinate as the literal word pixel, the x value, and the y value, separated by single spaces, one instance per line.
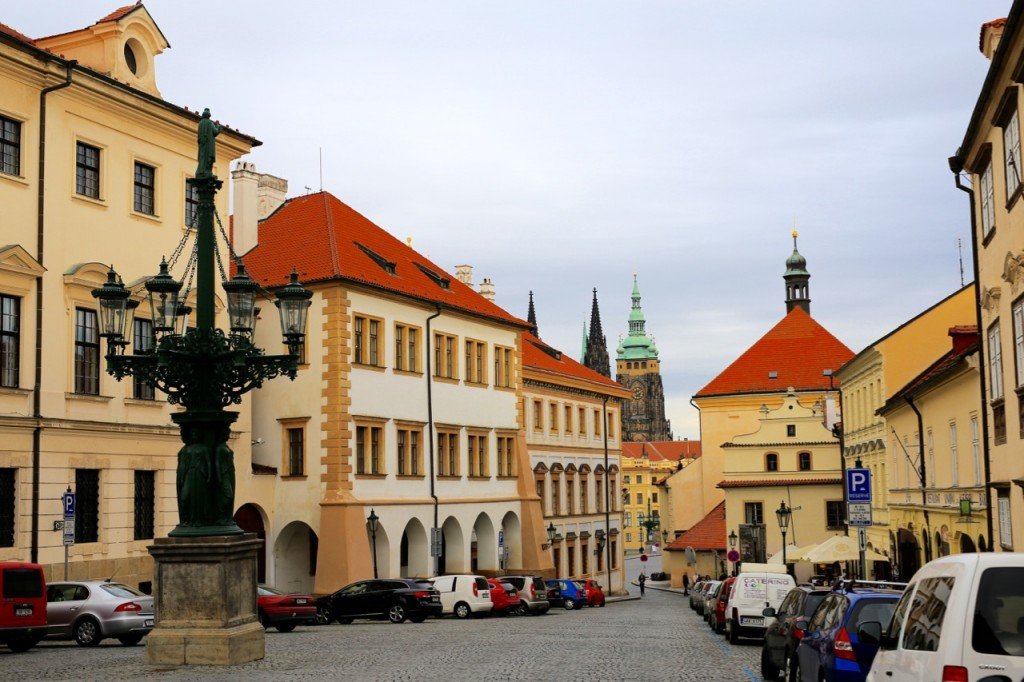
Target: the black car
pixel 782 636
pixel 395 598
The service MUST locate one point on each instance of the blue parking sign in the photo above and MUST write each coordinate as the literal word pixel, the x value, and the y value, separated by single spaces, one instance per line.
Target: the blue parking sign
pixel 68 499
pixel 858 485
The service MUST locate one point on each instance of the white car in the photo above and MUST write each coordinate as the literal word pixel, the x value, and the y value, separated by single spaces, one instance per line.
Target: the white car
pixel 960 618
pixel 757 587
pixel 464 595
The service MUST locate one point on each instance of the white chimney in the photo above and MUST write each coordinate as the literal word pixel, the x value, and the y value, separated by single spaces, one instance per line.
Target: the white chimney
pixel 270 194
pixel 245 181
pixel 487 289
pixel 464 273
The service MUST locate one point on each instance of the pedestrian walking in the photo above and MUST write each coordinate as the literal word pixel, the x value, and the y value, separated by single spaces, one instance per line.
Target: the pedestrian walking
pixel 686 584
pixel 643 581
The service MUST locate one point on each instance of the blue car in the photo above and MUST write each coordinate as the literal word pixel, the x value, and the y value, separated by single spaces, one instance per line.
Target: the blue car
pixel 566 593
pixel 830 649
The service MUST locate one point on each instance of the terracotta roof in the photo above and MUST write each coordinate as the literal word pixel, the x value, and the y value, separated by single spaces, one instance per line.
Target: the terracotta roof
pixel 797 350
pixel 326 239
pixel 776 482
pixel 995 23
pixel 540 356
pixel 965 342
pixel 706 534
pixel 671 450
pixel 4 28
pixel 120 12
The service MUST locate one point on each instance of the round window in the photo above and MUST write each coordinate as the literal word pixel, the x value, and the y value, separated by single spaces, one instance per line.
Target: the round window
pixel 129 58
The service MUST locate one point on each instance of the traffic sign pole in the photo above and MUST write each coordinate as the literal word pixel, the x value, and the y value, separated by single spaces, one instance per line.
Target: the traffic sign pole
pixel 858 510
pixel 68 503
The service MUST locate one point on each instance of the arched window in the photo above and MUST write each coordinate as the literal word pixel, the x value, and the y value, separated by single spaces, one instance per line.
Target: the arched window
pixel 771 462
pixel 804 459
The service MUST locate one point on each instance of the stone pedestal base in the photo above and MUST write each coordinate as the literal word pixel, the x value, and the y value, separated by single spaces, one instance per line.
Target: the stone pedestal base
pixel 204 595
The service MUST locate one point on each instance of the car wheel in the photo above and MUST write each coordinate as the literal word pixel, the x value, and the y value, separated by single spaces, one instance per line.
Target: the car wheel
pixel 22 645
pixel 263 619
pixel 87 632
pixel 570 603
pixel 396 614
pixel 462 610
pixel 344 621
pixel 768 669
pixel 285 627
pixel 733 633
pixel 601 604
pixel 522 609
pixel 323 614
pixel 130 639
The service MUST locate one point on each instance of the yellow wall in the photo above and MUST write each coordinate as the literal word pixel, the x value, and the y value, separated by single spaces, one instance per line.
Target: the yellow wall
pixel 648 472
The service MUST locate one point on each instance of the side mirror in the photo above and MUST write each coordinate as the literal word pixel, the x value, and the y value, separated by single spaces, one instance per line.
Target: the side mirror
pixel 801 625
pixel 768 612
pixel 870 632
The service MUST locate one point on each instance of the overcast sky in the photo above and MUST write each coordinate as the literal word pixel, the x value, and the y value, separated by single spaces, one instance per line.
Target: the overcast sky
pixel 560 146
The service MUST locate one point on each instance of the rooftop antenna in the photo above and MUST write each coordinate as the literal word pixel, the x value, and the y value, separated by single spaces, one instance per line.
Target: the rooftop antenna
pixel 321 169
pixel 960 251
pixel 308 189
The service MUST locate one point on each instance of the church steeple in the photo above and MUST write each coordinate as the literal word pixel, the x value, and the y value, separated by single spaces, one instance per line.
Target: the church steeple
pixel 637 346
pixel 531 317
pixel 798 291
pixel 596 357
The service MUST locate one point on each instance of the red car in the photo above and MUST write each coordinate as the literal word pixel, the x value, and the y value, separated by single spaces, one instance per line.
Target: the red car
pixel 284 611
pixel 504 597
pixel 717 619
pixel 595 595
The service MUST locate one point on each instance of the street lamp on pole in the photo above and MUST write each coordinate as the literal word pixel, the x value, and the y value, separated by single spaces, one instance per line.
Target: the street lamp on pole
pixel 372 519
pixel 733 538
pixel 783 515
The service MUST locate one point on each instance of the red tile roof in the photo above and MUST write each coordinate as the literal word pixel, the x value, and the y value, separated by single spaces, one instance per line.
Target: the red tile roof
pixel 797 349
pixel 776 482
pixel 322 237
pixel 995 23
pixel 671 450
pixel 540 356
pixel 706 534
pixel 4 28
pixel 120 12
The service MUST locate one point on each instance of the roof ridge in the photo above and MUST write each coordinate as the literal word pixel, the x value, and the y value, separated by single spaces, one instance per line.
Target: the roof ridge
pixel 331 238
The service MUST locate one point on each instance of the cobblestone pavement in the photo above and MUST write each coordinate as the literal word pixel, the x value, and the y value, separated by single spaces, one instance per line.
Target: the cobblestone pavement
pixel 656 638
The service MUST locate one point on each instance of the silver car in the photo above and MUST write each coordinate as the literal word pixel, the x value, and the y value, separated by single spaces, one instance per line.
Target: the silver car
pixel 89 611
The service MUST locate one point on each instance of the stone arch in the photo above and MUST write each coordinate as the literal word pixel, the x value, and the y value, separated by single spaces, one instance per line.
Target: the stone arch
pixel 483 552
pixel 295 551
pixel 251 518
pixel 414 551
pixel 453 548
pixel 512 530
pixel 381 553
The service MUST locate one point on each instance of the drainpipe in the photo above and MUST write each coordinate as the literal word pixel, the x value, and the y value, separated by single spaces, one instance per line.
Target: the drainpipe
pixel 434 532
pixel 956 165
pixel 37 432
pixel 607 511
pixel 923 473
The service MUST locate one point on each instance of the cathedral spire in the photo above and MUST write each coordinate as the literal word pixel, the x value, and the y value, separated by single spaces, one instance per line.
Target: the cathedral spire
pixel 798 290
pixel 637 346
pixel 596 356
pixel 531 317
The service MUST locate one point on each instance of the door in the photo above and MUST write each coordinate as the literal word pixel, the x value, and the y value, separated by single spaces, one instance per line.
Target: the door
pixel 64 601
pixel 994 638
pixel 809 650
pixel 887 659
pixel 775 634
pixel 349 601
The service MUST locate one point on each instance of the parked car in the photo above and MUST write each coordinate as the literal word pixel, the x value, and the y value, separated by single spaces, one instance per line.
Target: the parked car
pixel 504 597
pixel 831 650
pixel 757 587
pixel 464 595
pixel 717 618
pixel 704 587
pixel 22 605
pixel 284 611
pixel 782 636
pixel 395 598
pixel 570 594
pixel 533 592
pixel 983 595
pixel 710 595
pixel 695 593
pixel 89 611
pixel 595 595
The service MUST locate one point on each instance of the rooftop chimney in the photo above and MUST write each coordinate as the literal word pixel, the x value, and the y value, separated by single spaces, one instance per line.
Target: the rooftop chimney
pixel 487 289
pixel 991 33
pixel 464 273
pixel 256 196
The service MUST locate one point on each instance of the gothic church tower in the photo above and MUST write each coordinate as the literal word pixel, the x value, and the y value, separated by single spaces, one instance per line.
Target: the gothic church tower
pixel 596 355
pixel 638 369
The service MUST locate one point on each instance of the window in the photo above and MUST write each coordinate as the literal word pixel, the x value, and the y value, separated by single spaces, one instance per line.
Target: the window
pixel 191 206
pixel 975 450
pixel 87 352
pixel 988 220
pixel 1018 340
pixel 87 505
pixel 142 340
pixel 954 457
pixel 367 341
pixel 368 450
pixel 931 456
pixel 553 416
pixel 627 519
pixel 145 506
pixel 567 419
pixel 583 493
pixel 476 362
pixel 639 479
pixel 145 189
pixel 445 362
pixel 1003 508
pixel 771 462
pixel 570 494
pixel 447 453
pixel 7 513
pixel 629 537
pixel 407 348
pixel 476 455
pixel 409 452
pixel 503 366
pixel 615 553
pixel 296 451
pixel 995 361
pixel 654 500
pixel 804 461
pixel 927 611
pixel 997 611
pixel 87 170
pixel 10 146
pixel 506 455
pixel 582 425
pixel 1011 150
pixel 538 416
pixel 791 430
pixel 835 514
pixel 10 341
pixel 753 512
pixel 584 558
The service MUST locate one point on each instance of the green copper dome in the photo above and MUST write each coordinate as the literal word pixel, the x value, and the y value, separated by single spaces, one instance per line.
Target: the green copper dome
pixel 796 264
pixel 637 346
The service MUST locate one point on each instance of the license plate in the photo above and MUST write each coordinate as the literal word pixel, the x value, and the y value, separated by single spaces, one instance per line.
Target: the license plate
pixel 435 598
pixel 22 612
pixel 300 601
pixel 752 621
pixel 149 623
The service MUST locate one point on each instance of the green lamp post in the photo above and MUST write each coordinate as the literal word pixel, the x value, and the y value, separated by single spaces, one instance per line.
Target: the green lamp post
pixel 204 369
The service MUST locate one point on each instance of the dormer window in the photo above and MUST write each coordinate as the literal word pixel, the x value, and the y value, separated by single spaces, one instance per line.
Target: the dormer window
pixel 440 281
pixel 385 265
pixel 129 58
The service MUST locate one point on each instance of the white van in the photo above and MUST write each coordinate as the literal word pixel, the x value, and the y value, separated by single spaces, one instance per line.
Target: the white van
pixel 464 595
pixel 757 587
pixel 961 618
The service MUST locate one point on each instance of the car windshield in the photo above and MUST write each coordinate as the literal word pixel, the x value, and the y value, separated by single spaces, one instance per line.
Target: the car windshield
pixel 999 613
pixel 264 591
pixel 509 587
pixel 22 583
pixel 119 590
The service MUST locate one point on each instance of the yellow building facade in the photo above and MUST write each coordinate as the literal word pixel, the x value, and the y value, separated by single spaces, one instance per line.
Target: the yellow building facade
pixel 643 467
pixel 112 178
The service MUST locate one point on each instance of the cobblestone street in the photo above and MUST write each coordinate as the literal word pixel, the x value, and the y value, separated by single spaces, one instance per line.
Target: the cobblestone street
pixel 656 638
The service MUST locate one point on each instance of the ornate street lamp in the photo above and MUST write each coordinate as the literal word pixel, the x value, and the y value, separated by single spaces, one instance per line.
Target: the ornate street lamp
pixel 783 514
pixel 552 534
pixel 372 519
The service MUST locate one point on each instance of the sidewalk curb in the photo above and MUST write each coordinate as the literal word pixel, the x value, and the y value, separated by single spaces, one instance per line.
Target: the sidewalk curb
pixel 649 586
pixel 614 600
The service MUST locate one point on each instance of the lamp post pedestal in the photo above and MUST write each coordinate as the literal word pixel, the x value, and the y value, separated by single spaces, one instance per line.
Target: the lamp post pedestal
pixel 204 601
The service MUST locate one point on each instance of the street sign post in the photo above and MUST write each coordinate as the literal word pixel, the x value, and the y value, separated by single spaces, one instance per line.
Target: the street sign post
pixel 858 509
pixel 68 504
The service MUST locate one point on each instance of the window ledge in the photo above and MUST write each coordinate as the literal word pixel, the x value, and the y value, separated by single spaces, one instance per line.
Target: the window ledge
pixel 508 389
pixel 479 478
pixel 88 397
pixel 988 237
pixel 10 390
pixel 363 365
pixel 152 217
pixel 293 477
pixel 89 200
pixel 407 372
pixel 507 478
pixel 446 380
pixel 141 402
pixel 477 384
pixel 1014 197
pixel 372 476
pixel 406 477
pixel 16 179
pixel 447 477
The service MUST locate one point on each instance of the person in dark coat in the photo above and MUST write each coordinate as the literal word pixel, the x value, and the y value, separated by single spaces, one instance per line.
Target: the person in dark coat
pixel 643 581
pixel 686 584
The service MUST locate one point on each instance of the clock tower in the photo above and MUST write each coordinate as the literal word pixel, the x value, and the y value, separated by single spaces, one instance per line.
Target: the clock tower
pixel 638 369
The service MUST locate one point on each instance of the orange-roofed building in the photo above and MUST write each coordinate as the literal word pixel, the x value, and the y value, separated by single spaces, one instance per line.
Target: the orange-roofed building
pixel 645 468
pixel 571 417
pixel 707 538
pixel 408 405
